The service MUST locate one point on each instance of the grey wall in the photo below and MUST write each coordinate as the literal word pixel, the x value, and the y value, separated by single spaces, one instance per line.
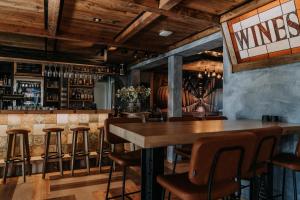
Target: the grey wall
pixel 273 91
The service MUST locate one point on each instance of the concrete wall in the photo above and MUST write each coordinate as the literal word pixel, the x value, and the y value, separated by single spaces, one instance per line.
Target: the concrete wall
pixel 272 91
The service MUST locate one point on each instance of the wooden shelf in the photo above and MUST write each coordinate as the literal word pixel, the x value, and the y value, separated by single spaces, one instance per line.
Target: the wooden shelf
pixel 81 100
pixel 52 88
pixel 53 101
pixel 84 86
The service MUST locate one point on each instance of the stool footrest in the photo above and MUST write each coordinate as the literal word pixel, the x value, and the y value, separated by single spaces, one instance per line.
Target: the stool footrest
pixel 53 155
pixel 80 153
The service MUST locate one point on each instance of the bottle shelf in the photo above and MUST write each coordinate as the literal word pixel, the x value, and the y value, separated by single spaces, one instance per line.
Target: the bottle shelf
pixel 82 86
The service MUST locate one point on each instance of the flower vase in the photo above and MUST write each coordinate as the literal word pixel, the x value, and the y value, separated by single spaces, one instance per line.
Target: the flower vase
pixel 130 107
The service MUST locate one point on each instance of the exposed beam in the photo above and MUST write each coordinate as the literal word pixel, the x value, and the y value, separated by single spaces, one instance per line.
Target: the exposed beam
pixel 209 42
pixel 41 33
pixel 141 22
pixel 168 4
pixel 54 13
pixel 152 13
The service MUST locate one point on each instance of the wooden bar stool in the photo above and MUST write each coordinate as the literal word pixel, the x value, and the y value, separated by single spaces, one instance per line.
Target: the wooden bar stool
pixel 24 156
pixel 211 157
pixel 291 162
pixel 84 153
pixel 58 154
pixel 125 160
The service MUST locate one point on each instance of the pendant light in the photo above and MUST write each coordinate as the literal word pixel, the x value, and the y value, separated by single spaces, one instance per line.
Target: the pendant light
pixel 200 75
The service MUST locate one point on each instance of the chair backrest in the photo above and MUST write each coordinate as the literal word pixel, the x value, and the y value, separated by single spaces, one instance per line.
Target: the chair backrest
pixel 183 118
pixel 219 158
pixel 267 140
pixel 215 118
pixel 298 149
pixel 110 137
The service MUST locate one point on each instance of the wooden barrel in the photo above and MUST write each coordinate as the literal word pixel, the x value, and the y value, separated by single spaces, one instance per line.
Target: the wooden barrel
pixel 162 98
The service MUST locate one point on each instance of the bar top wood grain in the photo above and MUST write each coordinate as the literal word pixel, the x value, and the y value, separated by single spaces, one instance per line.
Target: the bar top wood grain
pixel 159 134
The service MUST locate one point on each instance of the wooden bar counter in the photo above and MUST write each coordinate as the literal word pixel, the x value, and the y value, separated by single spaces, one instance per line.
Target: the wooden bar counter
pixel 37 120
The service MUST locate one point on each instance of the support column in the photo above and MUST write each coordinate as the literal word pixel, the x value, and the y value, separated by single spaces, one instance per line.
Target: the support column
pixel 174 93
pixel 135 77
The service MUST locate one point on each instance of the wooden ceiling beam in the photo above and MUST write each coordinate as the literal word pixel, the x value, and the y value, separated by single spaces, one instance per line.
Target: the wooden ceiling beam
pixel 144 20
pixel 41 33
pixel 54 12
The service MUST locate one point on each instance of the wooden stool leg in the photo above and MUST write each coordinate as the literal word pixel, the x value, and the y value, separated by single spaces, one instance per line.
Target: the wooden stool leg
pixel 74 143
pixel 58 135
pixel 86 150
pixel 48 135
pixel 8 156
pixel 22 148
pixel 28 154
pixel 101 139
pixel 124 183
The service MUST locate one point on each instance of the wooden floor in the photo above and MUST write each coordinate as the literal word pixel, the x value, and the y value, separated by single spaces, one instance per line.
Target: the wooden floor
pixel 80 187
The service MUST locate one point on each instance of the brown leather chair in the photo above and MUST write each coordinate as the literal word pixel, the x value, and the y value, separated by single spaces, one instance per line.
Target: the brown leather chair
pixel 267 140
pixel 211 157
pixel 186 150
pixel 291 162
pixel 125 160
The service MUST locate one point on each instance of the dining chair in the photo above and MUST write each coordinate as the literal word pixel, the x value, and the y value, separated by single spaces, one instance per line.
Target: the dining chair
pixel 215 168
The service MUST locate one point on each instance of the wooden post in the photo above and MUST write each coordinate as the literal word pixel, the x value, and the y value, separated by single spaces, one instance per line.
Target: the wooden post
pixel 174 93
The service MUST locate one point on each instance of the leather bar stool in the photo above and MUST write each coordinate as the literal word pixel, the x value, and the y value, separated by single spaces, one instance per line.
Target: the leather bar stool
pixel 24 156
pixel 291 162
pixel 100 151
pixel 267 140
pixel 58 154
pixel 84 153
pixel 211 157
pixel 185 150
pixel 112 139
pixel 125 160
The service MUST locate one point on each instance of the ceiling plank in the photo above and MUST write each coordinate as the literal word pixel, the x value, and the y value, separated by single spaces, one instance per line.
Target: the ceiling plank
pixel 141 22
pixel 54 10
pixel 144 20
pixel 168 4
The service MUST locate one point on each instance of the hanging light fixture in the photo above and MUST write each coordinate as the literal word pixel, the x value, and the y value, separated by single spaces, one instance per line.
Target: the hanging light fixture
pixel 219 76
pixel 205 71
pixel 208 74
pixel 214 72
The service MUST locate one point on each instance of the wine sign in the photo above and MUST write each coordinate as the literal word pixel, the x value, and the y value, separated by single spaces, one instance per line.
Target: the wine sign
pixel 263 34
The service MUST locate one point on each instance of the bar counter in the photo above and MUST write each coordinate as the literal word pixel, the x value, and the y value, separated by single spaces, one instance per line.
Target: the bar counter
pixel 37 120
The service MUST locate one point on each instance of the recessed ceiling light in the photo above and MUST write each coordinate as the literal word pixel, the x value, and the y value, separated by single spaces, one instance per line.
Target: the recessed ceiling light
pixel 97 20
pixel 165 33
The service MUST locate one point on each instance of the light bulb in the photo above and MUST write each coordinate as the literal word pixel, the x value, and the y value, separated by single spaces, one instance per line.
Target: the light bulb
pixel 213 74
pixel 219 76
pixel 200 75
pixel 205 72
pixel 208 75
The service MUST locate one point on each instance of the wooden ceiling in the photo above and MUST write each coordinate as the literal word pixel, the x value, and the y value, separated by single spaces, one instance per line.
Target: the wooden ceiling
pixel 68 26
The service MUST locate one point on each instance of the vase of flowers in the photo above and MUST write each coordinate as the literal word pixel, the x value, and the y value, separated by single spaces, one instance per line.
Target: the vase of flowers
pixel 133 96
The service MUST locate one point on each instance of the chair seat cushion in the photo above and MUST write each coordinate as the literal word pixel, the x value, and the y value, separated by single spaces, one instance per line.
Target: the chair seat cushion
pixel 185 150
pixel 287 160
pixel 127 159
pixel 179 185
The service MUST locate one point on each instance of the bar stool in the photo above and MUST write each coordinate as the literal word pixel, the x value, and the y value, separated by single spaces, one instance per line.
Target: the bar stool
pixel 211 157
pixel 291 162
pixel 125 160
pixel 75 153
pixel 58 154
pixel 12 135
pixel 100 152
pixel 266 142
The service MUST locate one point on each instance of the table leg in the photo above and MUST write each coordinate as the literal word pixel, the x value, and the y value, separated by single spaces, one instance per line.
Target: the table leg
pixel 152 165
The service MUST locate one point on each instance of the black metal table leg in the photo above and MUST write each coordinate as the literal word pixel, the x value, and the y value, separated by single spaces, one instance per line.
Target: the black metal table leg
pixel 152 165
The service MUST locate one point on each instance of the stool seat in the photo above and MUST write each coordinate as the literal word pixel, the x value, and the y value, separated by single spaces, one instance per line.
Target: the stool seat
pixel 100 127
pixel 53 129
pixel 132 158
pixel 17 131
pixel 80 128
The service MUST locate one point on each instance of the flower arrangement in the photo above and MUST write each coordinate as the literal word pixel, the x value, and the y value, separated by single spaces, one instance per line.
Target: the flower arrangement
pixel 133 96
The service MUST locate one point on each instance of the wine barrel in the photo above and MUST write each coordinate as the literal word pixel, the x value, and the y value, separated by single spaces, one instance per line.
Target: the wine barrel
pixel 162 98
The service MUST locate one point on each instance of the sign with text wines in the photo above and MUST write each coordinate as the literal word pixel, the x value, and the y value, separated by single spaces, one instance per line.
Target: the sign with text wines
pixel 262 36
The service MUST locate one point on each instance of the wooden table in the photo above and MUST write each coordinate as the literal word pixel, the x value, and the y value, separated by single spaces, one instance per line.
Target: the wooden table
pixel 153 136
